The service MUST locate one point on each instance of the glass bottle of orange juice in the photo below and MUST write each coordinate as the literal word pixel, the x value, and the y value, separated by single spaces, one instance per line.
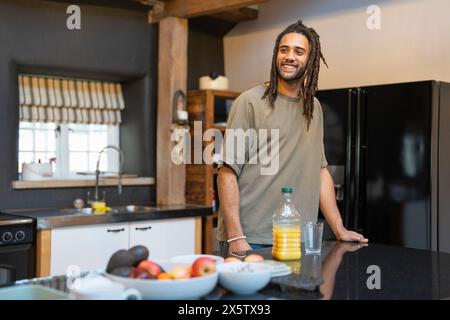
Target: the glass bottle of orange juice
pixel 286 229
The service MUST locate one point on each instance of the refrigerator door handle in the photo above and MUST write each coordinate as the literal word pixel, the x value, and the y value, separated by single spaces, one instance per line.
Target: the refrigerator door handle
pixel 360 162
pixel 357 213
pixel 348 184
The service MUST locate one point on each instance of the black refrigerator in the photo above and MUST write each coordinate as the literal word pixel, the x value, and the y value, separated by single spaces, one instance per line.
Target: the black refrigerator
pixel 388 149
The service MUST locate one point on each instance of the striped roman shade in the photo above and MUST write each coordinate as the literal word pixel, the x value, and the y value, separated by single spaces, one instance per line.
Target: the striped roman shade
pixel 63 100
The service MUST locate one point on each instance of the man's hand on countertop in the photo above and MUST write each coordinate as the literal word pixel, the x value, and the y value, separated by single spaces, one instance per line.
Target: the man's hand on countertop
pixel 348 235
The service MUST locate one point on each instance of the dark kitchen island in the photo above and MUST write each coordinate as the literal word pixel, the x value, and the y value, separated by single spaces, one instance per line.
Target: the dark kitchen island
pixel 345 271
pixel 348 271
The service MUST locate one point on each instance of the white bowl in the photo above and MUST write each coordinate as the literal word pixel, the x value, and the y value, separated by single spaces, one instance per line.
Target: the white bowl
pixel 244 277
pixel 190 258
pixel 180 289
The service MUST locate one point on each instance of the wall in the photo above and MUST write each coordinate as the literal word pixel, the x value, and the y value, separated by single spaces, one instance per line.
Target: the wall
pixel 205 48
pixel 411 45
pixel 114 44
pixel 205 55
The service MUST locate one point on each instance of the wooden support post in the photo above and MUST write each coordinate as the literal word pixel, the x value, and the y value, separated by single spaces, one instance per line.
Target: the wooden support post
pixel 172 76
pixel 198 235
pixel 43 252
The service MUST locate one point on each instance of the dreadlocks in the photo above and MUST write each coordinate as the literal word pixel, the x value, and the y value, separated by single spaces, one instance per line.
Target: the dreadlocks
pixel 311 75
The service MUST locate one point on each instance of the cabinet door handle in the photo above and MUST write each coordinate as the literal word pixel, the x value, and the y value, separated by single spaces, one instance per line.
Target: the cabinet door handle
pixel 143 229
pixel 116 230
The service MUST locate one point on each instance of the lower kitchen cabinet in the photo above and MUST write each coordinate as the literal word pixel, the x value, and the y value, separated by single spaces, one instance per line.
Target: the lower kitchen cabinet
pixel 90 247
pixel 164 238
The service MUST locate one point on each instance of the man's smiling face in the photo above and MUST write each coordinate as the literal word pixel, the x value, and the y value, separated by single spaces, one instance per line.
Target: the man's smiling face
pixel 292 56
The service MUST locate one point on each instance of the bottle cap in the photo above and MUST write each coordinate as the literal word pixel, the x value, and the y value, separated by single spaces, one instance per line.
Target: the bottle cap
pixel 286 190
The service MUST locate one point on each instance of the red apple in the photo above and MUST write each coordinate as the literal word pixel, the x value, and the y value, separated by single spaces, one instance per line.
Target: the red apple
pixel 152 268
pixel 203 266
pixel 138 273
pixel 253 258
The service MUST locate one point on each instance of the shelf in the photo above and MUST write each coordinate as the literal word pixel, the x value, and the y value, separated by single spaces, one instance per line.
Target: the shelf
pixel 209 106
pixel 217 93
pixel 50 184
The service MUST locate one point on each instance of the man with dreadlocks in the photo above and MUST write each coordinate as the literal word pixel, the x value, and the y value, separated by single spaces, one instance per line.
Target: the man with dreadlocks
pixel 287 103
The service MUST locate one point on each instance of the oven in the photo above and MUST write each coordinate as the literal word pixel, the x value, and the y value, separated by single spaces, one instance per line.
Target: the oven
pixel 17 248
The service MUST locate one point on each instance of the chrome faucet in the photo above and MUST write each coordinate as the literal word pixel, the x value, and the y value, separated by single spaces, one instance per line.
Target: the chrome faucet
pixel 97 171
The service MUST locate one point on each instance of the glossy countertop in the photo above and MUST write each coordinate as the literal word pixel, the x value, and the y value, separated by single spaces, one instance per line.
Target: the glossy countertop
pixel 344 271
pixel 351 271
pixel 60 217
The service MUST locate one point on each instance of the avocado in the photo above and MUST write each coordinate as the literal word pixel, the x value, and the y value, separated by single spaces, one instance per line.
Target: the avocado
pixel 122 271
pixel 121 258
pixel 139 253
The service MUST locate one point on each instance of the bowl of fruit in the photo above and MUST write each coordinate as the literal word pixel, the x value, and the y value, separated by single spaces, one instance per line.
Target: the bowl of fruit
pixel 162 280
pixel 190 258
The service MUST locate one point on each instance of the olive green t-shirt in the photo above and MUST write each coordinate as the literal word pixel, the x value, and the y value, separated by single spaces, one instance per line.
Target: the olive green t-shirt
pixel 300 159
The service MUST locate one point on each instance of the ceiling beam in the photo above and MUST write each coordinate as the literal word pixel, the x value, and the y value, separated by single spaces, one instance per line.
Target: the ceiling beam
pixel 237 15
pixel 195 8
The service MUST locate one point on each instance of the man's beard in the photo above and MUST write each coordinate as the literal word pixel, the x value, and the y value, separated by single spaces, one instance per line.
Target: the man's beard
pixel 295 77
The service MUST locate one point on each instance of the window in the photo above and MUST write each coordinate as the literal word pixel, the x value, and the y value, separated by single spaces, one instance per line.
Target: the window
pixel 68 122
pixel 74 147
pixel 36 142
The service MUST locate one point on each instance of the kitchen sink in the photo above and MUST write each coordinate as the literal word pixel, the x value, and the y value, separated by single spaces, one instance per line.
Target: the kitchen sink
pixel 114 210
pixel 134 209
pixel 90 211
pixel 82 211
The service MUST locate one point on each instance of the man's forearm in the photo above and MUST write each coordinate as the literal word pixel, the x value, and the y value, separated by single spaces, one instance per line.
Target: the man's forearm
pixel 328 204
pixel 229 201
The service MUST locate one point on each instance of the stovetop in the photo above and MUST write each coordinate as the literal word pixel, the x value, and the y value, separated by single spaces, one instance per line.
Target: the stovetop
pixel 9 219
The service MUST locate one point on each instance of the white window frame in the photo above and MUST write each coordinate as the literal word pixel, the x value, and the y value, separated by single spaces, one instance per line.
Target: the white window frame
pixel 63 153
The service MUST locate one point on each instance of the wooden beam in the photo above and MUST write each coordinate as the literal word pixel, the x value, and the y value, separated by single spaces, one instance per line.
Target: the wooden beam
pixel 194 8
pixel 198 235
pixel 43 252
pixel 237 15
pixel 77 183
pixel 172 76
pixel 130 4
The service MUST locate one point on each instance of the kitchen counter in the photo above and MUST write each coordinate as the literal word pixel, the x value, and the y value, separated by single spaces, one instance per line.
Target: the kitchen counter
pixel 346 269
pixel 341 272
pixel 57 218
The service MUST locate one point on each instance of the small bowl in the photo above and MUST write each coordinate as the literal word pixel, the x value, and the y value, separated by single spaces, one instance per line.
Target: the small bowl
pixel 244 278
